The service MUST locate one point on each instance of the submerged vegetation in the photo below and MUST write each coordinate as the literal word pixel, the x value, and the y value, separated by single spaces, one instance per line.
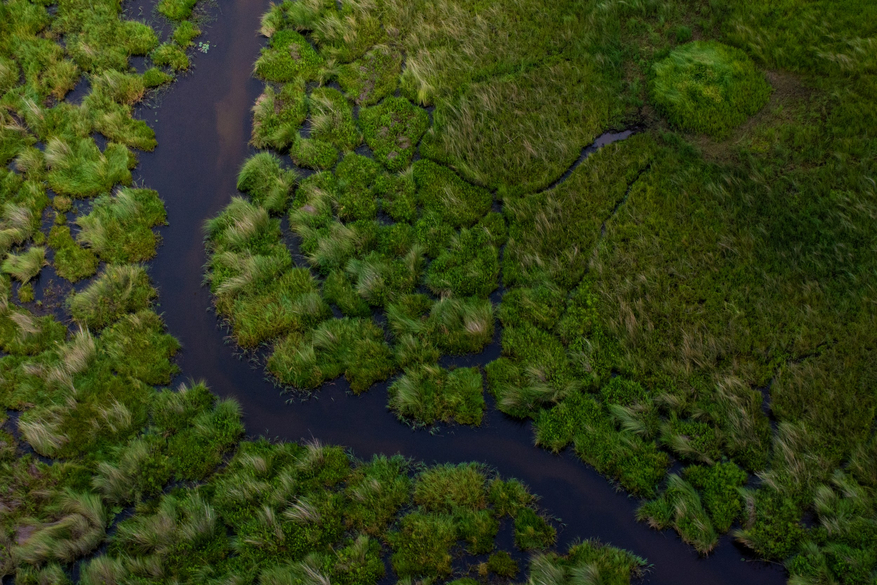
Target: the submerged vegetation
pixel 701 292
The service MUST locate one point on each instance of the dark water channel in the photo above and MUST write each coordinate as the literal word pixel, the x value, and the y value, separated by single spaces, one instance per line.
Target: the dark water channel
pixel 203 126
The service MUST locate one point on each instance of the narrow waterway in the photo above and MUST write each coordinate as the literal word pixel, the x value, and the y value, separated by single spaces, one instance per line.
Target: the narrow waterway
pixel 202 127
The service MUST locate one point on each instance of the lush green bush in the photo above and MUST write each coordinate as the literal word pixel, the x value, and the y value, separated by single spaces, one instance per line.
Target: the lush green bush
pixel 708 87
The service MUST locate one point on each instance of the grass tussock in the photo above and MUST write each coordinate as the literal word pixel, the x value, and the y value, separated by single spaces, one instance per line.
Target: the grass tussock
pixel 118 290
pixel 429 394
pixel 119 228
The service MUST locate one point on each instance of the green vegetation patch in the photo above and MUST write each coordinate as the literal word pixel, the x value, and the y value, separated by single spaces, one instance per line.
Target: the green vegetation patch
pixel 371 78
pixel 392 130
pixel 428 394
pixel 277 116
pixel 289 56
pixel 708 87
pixel 352 347
pixel 266 181
pixel 119 227
pixel 116 291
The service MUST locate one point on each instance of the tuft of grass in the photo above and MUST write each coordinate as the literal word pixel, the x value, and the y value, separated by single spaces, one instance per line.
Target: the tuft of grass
pixel 448 487
pixel 25 266
pixel 393 129
pixel 141 334
pixel 422 545
pixel 170 55
pixel 469 266
pixel 176 9
pixel 268 183
pixel 288 57
pixel 354 348
pixel 79 529
pixel 332 120
pixel 429 394
pixel 119 227
pixel 277 116
pixel 680 507
pixel 79 169
pixel 532 531
pixel 311 153
pixel 117 291
pixel 71 260
pixel 502 564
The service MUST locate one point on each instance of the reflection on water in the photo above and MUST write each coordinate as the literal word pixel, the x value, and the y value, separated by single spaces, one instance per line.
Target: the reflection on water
pixel 202 129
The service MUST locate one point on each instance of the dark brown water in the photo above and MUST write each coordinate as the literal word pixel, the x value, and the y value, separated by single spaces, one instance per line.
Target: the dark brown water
pixel 203 126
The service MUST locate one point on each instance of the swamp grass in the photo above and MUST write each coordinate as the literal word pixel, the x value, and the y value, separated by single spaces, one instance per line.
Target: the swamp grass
pixel 664 295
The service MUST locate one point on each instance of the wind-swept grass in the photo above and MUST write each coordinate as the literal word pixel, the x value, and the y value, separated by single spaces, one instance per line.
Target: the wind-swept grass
pixel 25 266
pixel 429 394
pixel 680 507
pixel 266 181
pixel 116 291
pixel 79 529
pixel 119 227
pixel 79 169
